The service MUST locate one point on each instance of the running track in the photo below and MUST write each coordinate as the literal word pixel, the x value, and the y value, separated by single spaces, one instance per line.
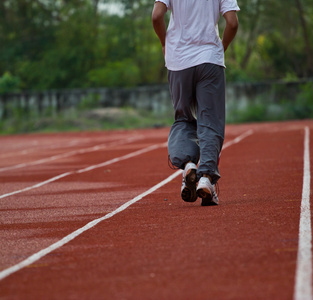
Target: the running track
pixel 98 215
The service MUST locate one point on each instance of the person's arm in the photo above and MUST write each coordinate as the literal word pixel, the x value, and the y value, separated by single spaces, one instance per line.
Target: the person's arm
pixel 230 28
pixel 158 22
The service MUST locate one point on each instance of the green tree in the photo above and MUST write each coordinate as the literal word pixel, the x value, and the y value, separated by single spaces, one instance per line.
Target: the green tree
pixel 273 40
pixel 66 44
pixel 128 40
pixel 9 83
pixel 48 44
pixel 66 64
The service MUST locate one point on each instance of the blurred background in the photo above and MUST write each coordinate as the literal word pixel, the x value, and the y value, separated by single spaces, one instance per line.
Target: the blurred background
pixel 97 64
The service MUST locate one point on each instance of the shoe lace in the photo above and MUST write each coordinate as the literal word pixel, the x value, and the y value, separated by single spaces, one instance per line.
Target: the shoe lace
pixel 171 165
pixel 217 189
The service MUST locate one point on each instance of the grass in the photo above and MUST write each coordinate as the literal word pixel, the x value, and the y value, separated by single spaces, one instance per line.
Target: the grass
pixel 83 120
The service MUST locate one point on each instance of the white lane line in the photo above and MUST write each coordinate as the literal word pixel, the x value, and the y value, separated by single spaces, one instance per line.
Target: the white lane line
pixel 79 231
pixel 303 280
pixel 33 258
pixel 238 139
pixel 61 144
pixel 15 153
pixel 109 162
pixel 127 156
pixel 112 161
pixel 72 153
pixel 35 186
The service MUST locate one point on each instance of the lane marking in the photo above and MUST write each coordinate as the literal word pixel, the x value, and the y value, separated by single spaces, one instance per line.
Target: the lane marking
pixel 79 231
pixel 303 280
pixel 35 186
pixel 127 156
pixel 35 257
pixel 112 161
pixel 72 153
pixel 109 162
pixel 61 144
pixel 14 152
pixel 238 139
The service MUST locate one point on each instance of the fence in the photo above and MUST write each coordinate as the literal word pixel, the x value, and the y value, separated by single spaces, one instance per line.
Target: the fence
pixel 153 98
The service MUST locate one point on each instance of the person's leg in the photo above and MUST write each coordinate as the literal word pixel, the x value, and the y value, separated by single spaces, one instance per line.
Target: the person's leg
pixel 182 140
pixel 183 146
pixel 210 91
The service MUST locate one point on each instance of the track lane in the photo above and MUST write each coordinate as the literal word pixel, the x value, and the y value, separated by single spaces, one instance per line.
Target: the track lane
pixel 78 159
pixel 23 148
pixel 35 212
pixel 70 153
pixel 153 225
pixel 113 191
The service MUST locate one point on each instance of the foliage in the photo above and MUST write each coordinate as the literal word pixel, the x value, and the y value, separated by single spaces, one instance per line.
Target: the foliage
pixel 8 83
pixel 273 41
pixel 72 44
pixel 302 107
pixel 287 109
pixel 115 74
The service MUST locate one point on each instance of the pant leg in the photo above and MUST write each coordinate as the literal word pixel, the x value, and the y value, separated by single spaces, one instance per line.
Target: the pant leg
pixel 210 90
pixel 182 140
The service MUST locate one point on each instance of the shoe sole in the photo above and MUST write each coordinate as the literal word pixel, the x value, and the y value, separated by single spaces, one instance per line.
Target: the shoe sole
pixel 207 198
pixel 189 193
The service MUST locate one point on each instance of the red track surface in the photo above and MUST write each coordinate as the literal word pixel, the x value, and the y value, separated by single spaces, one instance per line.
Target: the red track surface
pixel 159 247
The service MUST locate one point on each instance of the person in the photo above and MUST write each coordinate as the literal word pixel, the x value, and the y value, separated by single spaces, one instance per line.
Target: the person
pixel 194 57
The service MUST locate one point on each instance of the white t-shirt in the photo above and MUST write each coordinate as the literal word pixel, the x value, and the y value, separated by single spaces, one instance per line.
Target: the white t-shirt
pixel 192 36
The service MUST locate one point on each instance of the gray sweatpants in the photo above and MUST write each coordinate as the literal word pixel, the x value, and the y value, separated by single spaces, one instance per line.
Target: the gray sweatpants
pixel 198 96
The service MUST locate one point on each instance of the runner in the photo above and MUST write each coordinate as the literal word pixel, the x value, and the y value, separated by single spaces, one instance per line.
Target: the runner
pixel 194 57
